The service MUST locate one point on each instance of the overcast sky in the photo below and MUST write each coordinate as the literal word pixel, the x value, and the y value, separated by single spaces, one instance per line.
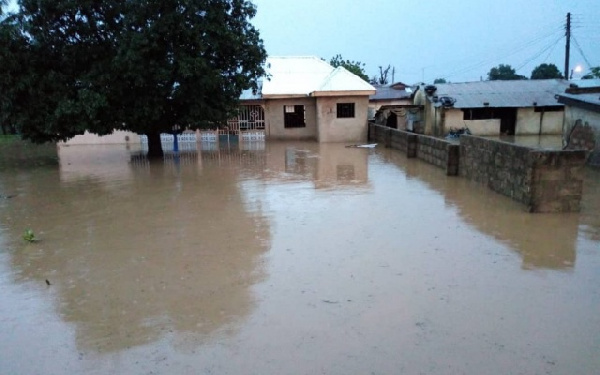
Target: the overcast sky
pixel 459 40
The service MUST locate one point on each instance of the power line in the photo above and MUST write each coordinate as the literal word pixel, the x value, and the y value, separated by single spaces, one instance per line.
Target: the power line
pixel 519 48
pixel 581 52
pixel 547 47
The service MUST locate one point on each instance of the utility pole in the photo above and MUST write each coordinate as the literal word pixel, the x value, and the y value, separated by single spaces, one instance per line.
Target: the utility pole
pixel 568 45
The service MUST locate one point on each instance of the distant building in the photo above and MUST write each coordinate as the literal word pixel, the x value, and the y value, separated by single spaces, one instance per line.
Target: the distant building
pixel 392 106
pixel 521 107
pixel 306 98
pixel 582 118
pixel 300 98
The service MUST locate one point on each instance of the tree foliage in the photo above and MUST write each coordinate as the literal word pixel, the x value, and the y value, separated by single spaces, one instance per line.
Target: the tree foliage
pixel 594 73
pixel 143 66
pixel 503 72
pixel 12 67
pixel 439 80
pixel 355 67
pixel 546 71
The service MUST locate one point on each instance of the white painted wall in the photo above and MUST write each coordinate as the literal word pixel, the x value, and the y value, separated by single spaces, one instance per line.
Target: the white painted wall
pixel 117 137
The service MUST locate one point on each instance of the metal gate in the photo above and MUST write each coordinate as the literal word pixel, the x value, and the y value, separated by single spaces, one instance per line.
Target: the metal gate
pixel 249 118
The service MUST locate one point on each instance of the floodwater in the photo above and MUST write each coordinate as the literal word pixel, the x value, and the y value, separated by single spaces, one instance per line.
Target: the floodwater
pixel 297 258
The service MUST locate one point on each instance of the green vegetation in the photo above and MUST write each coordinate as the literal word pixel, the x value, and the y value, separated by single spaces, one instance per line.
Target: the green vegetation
pixel 355 67
pixel 546 71
pixel 9 139
pixel 504 72
pixel 29 236
pixel 71 65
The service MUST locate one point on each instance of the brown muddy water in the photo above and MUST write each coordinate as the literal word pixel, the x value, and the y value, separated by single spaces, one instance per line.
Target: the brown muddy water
pixel 296 259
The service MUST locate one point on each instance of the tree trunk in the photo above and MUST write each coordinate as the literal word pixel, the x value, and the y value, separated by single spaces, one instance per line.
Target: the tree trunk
pixel 155 150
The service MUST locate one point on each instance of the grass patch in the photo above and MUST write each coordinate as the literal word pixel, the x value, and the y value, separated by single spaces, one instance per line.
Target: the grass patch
pixel 4 139
pixel 16 153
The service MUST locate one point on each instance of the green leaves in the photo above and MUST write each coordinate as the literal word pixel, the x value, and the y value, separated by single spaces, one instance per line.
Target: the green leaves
pixel 546 71
pixel 134 65
pixel 355 67
pixel 504 72
pixel 29 236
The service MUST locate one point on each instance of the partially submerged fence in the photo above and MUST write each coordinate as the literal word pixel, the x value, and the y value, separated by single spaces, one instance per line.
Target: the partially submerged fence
pixel 543 180
pixel 436 151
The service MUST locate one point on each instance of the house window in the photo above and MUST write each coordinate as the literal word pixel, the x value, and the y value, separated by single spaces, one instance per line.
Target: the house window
pixel 549 108
pixel 478 113
pixel 293 116
pixel 345 110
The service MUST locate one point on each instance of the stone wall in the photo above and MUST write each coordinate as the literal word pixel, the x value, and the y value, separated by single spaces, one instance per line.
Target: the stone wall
pixel 543 180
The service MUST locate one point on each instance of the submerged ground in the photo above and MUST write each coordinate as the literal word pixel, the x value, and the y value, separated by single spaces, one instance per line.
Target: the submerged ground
pixel 298 258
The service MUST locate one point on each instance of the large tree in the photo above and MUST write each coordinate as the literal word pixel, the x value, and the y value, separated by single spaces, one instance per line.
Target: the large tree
pixel 355 67
pixel 503 72
pixel 546 71
pixel 138 65
pixel 12 66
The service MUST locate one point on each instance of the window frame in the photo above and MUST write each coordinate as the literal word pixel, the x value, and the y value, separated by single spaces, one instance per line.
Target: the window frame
pixel 295 118
pixel 346 110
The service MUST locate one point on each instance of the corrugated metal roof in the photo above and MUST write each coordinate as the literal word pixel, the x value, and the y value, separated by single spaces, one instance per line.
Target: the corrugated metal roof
pixel 591 98
pixel 582 83
pixel 388 92
pixel 303 75
pixel 521 93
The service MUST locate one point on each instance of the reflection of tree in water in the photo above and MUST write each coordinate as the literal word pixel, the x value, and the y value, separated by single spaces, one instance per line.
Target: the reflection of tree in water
pixel 157 252
pixel 542 240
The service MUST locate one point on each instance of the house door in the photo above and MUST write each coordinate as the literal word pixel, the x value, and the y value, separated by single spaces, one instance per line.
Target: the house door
pixel 392 121
pixel 508 120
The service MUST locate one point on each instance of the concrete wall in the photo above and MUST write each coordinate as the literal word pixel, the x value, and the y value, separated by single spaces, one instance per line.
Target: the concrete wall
pixel 436 151
pixel 545 181
pixel 530 122
pixel 591 141
pixel 117 137
pixel 330 128
pixel 438 121
pixel 455 118
pixel 274 124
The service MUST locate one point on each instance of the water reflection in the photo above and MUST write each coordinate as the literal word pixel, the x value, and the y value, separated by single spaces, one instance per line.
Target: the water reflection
pixel 590 203
pixel 136 251
pixel 542 240
pixel 330 166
